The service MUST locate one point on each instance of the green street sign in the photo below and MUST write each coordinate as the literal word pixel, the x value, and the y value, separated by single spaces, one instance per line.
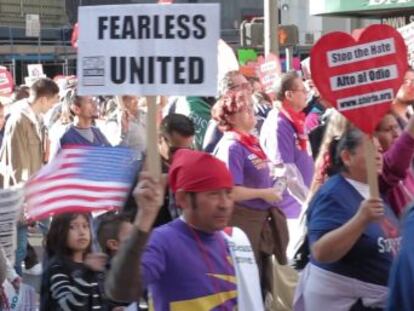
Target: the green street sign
pixel 359 7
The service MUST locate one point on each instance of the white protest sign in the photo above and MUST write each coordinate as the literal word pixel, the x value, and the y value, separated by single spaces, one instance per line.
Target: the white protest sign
pixel 269 72
pixel 148 49
pixel 305 64
pixel 362 77
pixel 35 70
pixel 361 52
pixel 407 32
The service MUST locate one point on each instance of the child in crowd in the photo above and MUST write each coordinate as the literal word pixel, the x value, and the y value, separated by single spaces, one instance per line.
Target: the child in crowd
pixel 113 230
pixel 72 279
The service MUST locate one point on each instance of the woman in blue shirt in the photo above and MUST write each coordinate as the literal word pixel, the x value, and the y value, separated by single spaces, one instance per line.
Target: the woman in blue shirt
pixel 353 238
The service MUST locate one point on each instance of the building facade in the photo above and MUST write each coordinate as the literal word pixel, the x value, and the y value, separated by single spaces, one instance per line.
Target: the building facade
pixel 34 31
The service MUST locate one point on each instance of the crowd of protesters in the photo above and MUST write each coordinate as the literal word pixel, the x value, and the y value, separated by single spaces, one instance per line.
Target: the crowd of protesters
pixel 251 186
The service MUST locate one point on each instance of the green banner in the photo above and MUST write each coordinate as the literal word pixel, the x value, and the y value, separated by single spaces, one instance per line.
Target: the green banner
pixel 358 7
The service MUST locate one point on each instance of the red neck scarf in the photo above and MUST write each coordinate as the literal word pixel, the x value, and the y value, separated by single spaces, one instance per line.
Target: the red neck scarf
pixel 251 143
pixel 298 121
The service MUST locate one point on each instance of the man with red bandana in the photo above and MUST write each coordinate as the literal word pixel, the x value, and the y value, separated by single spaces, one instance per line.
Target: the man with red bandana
pixel 194 262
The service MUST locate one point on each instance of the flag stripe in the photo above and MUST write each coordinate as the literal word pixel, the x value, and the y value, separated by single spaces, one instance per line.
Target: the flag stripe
pixel 103 204
pixel 58 184
pixel 57 176
pixel 95 154
pixel 88 196
pixel 92 192
pixel 82 179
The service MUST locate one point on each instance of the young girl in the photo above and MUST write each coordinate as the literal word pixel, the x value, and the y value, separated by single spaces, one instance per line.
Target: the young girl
pixel 70 281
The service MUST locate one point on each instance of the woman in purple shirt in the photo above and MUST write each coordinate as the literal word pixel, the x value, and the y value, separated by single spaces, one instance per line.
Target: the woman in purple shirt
pixel 255 212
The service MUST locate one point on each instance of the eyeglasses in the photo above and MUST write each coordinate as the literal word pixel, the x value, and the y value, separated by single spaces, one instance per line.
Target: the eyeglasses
pixel 242 86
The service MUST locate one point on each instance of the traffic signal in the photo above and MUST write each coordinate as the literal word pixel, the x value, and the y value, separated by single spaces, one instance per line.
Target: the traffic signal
pixel 252 34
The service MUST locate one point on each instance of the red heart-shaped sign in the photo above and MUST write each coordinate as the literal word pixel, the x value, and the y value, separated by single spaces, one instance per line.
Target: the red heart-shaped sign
pixel 360 77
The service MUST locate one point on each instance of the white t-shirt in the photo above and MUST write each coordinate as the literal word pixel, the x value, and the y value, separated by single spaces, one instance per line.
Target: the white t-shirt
pixel 362 188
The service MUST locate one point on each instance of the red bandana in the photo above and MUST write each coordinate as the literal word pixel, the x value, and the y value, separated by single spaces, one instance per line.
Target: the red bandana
pixel 298 121
pixel 195 171
pixel 251 143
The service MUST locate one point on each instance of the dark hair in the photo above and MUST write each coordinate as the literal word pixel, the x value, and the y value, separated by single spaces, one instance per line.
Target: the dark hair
pixel 71 97
pixel 109 229
pixel 349 141
pixel 20 92
pixel 378 128
pixel 44 87
pixel 286 83
pixel 226 106
pixel 330 166
pixel 177 123
pixel 56 238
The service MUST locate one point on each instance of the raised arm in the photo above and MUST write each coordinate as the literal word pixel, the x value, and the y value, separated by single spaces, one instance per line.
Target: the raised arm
pixel 398 158
pixel 334 245
pixel 124 280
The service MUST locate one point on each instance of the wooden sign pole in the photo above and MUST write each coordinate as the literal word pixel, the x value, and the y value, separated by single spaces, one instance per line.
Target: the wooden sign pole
pixel 153 156
pixel 370 151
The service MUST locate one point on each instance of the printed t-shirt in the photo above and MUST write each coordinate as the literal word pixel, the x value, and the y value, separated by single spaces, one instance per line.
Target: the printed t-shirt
pixel 370 259
pixel 278 140
pixel 246 168
pixel 187 276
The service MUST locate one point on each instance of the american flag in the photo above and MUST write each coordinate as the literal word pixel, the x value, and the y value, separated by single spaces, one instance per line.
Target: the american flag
pixel 82 179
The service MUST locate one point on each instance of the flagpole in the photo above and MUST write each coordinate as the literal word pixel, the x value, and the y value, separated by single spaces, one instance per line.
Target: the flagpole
pixel 153 157
pixel 271 19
